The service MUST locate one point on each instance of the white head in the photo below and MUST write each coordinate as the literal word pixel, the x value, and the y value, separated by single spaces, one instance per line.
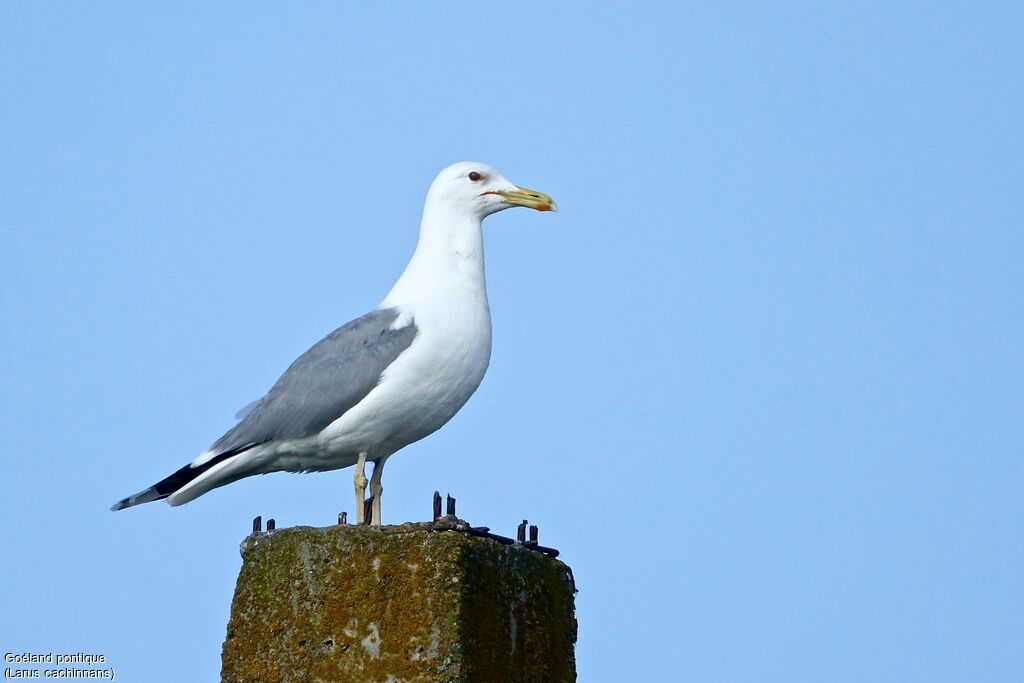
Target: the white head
pixel 479 190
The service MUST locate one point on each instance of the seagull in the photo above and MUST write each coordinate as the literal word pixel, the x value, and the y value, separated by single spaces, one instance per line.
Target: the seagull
pixel 384 380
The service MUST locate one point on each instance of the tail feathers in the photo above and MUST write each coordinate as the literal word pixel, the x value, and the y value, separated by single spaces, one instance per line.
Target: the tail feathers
pixel 222 474
pixel 177 481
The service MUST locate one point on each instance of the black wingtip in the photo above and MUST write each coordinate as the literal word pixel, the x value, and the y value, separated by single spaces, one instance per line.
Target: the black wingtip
pixel 168 485
pixel 144 496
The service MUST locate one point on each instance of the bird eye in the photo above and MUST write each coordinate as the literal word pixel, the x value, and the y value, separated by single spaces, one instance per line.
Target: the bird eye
pixel 475 177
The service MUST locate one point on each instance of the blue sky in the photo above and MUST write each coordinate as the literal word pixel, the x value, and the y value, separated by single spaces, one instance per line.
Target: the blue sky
pixel 760 379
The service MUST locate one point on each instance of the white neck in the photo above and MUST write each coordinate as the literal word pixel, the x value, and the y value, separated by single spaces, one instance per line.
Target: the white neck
pixel 448 264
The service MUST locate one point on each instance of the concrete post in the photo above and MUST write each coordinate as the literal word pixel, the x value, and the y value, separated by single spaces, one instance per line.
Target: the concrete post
pixel 416 602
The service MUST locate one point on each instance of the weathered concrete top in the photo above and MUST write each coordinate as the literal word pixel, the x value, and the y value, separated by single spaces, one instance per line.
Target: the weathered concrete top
pixel 415 602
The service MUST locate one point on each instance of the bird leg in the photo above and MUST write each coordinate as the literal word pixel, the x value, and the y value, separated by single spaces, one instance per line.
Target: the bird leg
pixel 359 479
pixel 376 490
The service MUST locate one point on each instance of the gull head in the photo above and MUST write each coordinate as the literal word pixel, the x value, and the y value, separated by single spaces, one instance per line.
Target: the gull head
pixel 479 190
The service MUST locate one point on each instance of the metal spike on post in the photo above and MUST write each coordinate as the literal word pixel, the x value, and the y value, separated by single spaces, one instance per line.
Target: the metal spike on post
pixel 437 505
pixel 451 506
pixel 534 532
pixel 521 532
pixel 342 518
pixel 367 510
pixel 257 524
pixel 271 525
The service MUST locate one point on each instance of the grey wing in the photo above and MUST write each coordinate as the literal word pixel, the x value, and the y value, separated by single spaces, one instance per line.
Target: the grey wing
pixel 324 382
pixel 246 409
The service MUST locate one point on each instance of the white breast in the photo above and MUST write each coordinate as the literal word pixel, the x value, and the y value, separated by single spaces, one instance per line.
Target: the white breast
pixel 422 389
pixel 444 293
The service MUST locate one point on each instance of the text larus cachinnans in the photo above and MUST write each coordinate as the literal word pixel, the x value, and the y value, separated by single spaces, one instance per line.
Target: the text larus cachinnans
pixel 382 381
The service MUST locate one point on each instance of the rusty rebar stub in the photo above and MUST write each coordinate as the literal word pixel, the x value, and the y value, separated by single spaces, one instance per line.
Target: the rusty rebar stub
pixel 271 525
pixel 544 550
pixel 257 524
pixel 450 522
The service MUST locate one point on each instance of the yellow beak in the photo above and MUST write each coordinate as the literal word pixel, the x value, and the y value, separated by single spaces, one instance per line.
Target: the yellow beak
pixel 531 199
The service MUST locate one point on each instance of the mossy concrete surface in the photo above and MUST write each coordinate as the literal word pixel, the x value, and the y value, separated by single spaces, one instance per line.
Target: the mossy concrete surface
pixel 416 602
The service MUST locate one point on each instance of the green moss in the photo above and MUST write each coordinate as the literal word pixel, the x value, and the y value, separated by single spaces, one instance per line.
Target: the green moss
pixel 522 601
pixel 402 603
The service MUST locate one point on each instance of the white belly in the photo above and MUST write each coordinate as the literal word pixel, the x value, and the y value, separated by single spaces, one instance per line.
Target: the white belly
pixel 417 394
